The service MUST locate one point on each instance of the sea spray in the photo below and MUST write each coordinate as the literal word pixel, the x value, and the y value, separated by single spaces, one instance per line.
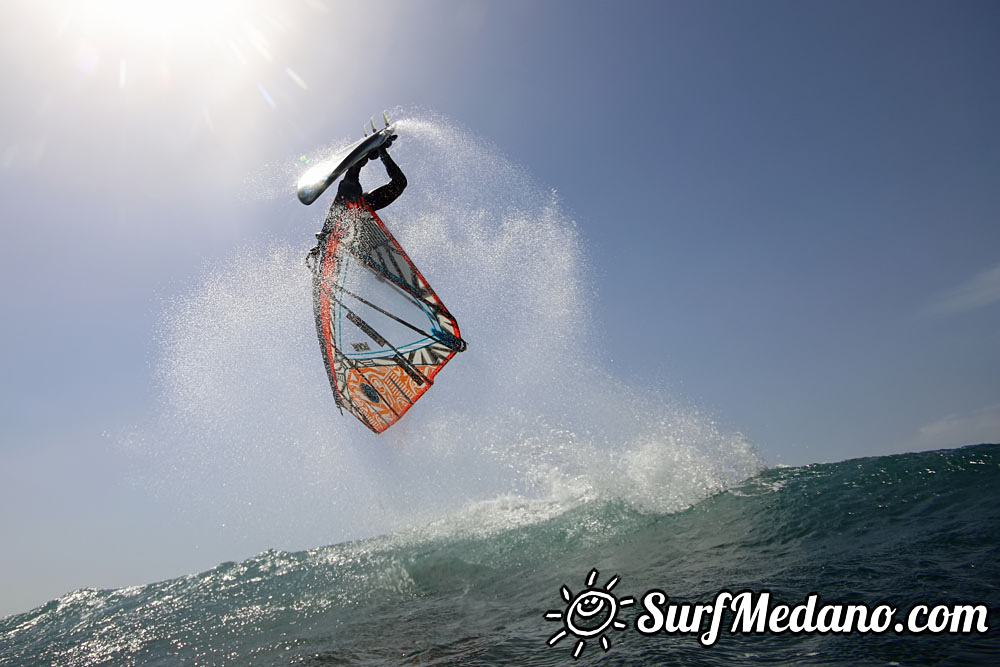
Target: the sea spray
pixel 248 432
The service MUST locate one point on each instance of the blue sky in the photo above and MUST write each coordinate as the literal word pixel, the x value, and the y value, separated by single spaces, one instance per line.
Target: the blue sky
pixel 789 212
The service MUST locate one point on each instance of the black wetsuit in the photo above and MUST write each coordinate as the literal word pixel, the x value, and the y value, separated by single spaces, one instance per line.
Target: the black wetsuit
pixel 350 186
pixel 350 191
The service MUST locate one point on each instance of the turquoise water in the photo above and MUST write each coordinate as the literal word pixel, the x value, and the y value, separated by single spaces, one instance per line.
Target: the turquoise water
pixel 475 587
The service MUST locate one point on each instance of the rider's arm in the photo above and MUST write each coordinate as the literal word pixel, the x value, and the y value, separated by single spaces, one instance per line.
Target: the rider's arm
pixel 385 195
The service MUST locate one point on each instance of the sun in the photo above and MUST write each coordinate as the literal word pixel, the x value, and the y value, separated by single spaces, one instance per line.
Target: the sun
pixel 210 60
pixel 155 19
pixel 142 41
pixel 589 614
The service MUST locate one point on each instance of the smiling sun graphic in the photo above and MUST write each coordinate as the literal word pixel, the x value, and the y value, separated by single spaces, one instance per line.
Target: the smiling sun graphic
pixel 589 614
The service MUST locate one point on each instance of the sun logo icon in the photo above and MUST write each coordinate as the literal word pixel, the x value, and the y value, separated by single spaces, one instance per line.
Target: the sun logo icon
pixel 589 614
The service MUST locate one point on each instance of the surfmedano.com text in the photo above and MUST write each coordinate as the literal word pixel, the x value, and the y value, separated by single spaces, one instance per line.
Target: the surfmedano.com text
pixel 752 613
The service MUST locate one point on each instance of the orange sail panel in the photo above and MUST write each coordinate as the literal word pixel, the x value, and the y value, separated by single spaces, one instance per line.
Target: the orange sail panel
pixel 383 331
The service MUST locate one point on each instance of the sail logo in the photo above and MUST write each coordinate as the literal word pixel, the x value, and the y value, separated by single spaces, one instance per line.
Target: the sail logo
pixel 589 614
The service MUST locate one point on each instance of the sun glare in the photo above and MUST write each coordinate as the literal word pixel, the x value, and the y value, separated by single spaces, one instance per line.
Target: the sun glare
pixel 157 19
pixel 208 48
pixel 189 66
pixel 140 36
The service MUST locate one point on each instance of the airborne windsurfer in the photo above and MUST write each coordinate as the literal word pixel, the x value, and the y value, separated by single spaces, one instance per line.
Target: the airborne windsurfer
pixel 383 331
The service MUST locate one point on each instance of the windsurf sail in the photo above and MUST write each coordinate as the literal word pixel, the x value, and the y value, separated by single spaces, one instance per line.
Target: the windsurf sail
pixel 383 331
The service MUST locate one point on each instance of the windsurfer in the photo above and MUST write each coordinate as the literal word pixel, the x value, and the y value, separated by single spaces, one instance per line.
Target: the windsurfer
pixel 350 189
pixel 383 331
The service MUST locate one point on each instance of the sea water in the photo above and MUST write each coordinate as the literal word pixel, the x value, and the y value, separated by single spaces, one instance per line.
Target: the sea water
pixel 529 483
pixel 475 587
